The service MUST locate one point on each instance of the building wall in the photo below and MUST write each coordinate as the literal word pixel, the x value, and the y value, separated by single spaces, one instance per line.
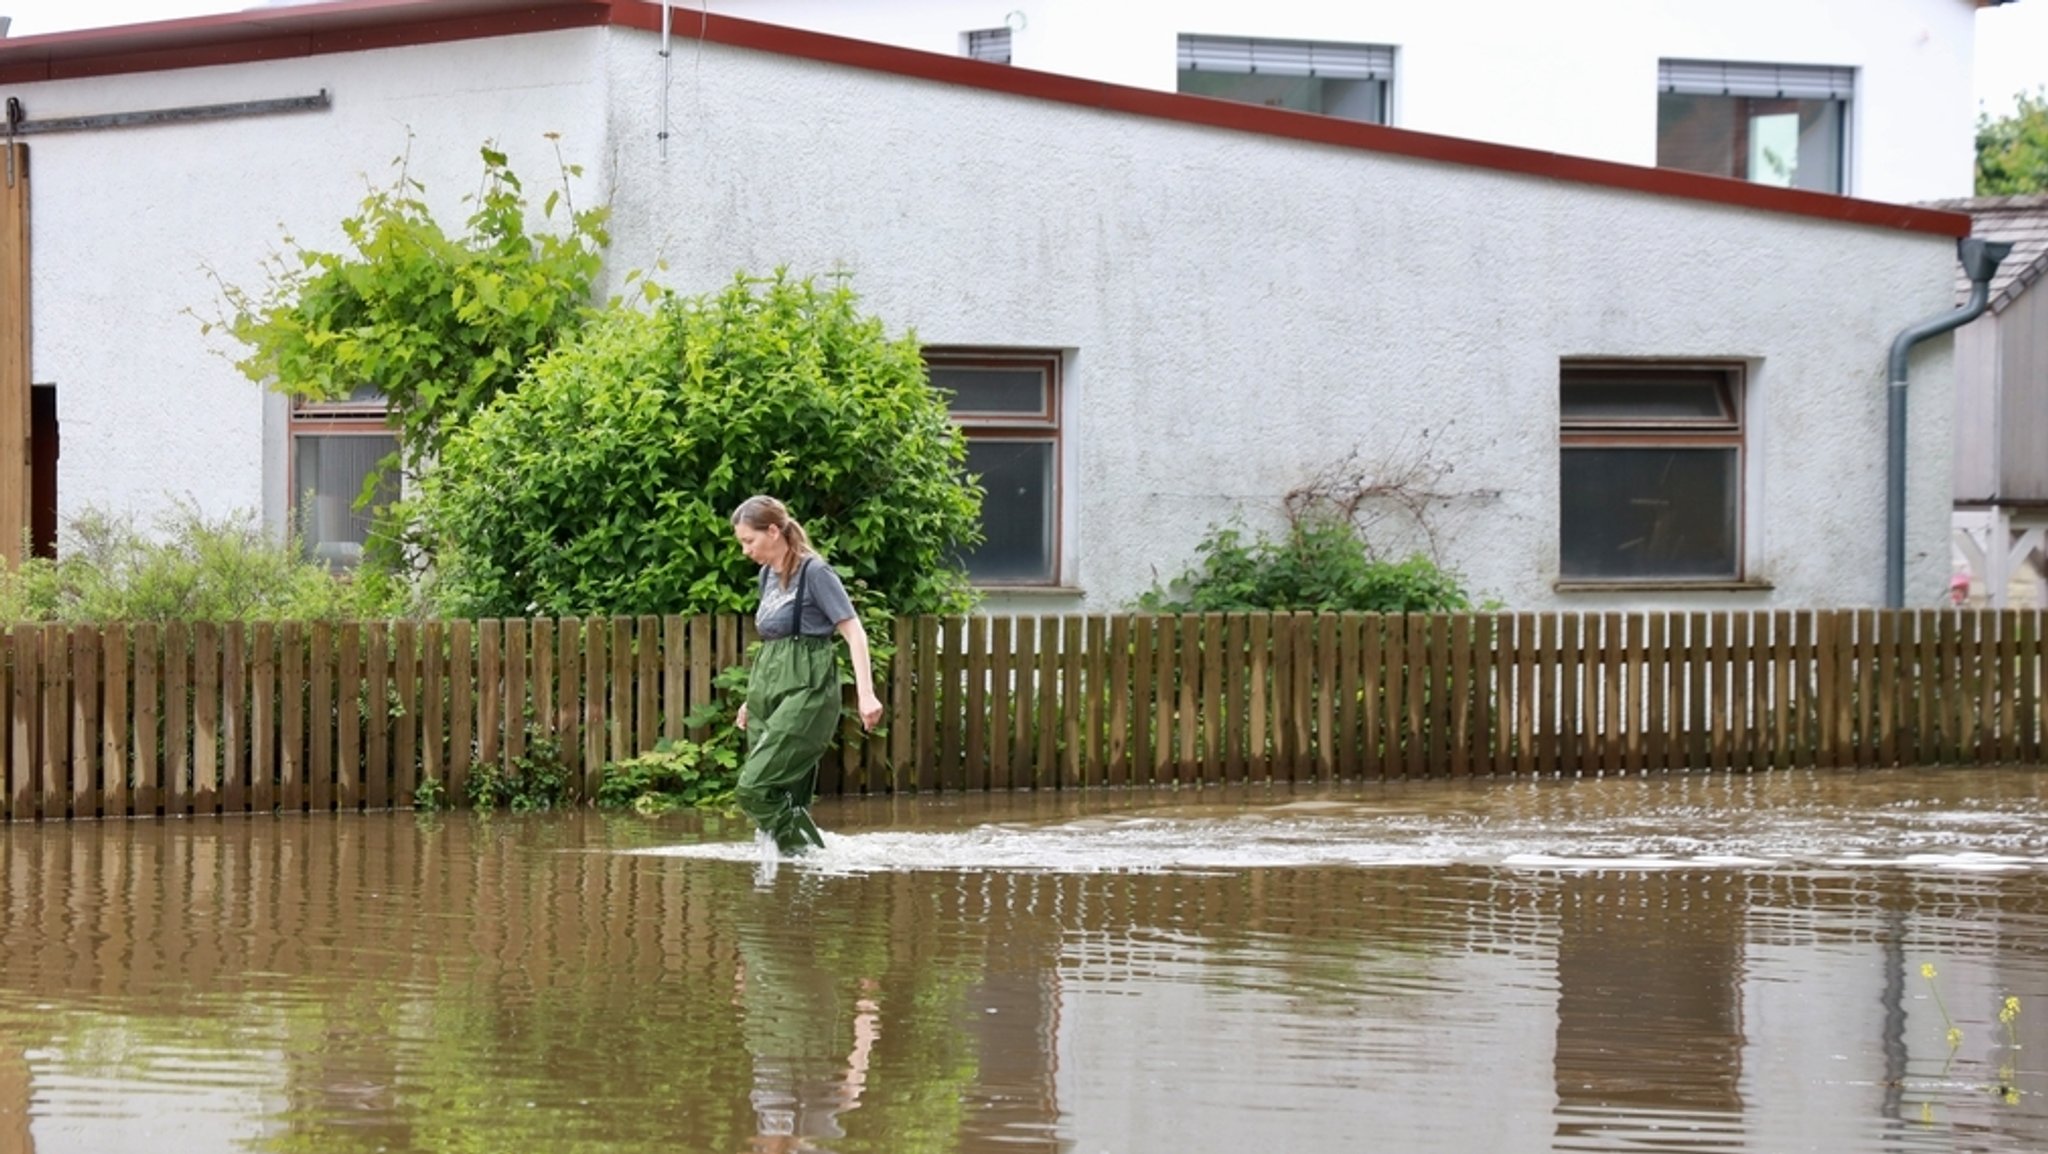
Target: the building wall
pixel 1237 311
pixel 132 226
pixel 1578 78
pixel 1240 311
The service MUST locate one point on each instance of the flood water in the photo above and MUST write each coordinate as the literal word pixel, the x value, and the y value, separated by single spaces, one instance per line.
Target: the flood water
pixel 1779 962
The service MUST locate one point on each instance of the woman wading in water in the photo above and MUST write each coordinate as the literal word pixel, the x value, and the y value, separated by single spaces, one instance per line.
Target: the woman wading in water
pixel 792 705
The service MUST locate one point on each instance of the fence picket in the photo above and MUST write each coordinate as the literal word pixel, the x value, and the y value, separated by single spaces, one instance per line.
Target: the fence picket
pixel 114 712
pixel 291 739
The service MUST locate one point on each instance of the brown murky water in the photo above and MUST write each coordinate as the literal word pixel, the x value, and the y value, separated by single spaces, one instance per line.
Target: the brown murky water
pixel 1671 963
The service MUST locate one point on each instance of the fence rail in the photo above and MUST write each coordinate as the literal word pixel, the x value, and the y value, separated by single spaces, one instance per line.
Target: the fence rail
pixel 145 720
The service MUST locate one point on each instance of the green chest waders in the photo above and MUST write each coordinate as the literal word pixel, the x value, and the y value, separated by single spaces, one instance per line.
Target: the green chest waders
pixel 792 712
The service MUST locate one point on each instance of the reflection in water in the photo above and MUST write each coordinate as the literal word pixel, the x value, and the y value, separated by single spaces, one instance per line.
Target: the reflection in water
pixel 1685 963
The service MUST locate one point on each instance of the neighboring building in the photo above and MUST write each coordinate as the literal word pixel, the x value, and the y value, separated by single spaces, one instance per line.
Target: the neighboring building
pixel 2001 473
pixel 1628 386
pixel 1787 92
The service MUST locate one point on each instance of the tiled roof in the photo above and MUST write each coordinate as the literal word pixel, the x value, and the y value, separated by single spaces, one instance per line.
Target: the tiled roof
pixel 2023 220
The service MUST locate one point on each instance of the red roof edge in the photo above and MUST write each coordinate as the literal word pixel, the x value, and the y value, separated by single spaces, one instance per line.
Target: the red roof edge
pixel 354 25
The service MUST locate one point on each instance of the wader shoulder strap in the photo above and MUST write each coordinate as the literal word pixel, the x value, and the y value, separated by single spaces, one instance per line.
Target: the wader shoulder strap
pixel 797 627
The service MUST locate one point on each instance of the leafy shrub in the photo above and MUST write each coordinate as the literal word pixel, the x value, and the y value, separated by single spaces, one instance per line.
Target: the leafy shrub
pixel 191 568
pixel 537 780
pixel 1322 564
pixel 685 774
pixel 604 484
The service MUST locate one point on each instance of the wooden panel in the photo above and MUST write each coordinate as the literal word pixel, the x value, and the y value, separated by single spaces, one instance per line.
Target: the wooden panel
pixel 1165 643
pixel 619 726
pixel 206 716
pixel 15 346
pixel 56 697
pixel 291 722
pixel 321 720
pixel 1326 744
pixel 975 771
pixel 434 709
pixel 263 723
pixel 348 720
pixel 461 676
pixel 1258 697
pixel 1096 687
pixel 1001 703
pixel 1117 754
pixel 1187 761
pixel 541 678
pixel 1144 629
pixel 1350 640
pixel 85 721
pixel 2021 421
pixel 115 773
pixel 24 693
pixel 1045 765
pixel 1416 676
pixel 568 697
pixel 1214 724
pixel 234 719
pixel 949 696
pixel 405 738
pixel 646 686
pixel 926 724
pixel 377 716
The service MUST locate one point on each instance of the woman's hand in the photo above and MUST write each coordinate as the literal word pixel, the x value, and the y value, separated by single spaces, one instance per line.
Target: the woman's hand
pixel 870 710
pixel 741 720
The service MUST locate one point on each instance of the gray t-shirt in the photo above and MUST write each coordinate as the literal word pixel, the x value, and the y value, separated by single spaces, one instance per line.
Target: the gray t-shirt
pixel 825 602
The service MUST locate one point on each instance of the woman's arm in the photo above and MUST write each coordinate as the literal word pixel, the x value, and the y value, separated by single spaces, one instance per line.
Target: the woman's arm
pixel 856 636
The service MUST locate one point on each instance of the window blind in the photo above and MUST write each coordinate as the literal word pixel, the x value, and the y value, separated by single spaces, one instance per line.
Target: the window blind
pixel 1242 55
pixel 991 45
pixel 1725 78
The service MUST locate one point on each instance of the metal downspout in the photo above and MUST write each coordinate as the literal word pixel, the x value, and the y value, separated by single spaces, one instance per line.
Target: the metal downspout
pixel 1980 260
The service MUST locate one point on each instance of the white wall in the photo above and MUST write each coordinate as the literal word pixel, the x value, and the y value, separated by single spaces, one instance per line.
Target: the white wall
pixel 1244 309
pixel 1239 310
pixel 129 224
pixel 1578 77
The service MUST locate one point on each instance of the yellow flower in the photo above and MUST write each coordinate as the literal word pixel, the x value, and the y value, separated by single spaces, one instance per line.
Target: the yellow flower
pixel 1927 969
pixel 2010 1011
pixel 1955 1037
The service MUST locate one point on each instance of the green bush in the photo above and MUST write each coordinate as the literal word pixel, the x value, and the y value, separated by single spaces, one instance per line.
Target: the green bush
pixel 537 780
pixel 1323 564
pixel 605 483
pixel 685 774
pixel 191 568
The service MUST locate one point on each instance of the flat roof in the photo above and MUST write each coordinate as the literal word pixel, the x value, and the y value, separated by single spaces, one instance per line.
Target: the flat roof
pixel 285 32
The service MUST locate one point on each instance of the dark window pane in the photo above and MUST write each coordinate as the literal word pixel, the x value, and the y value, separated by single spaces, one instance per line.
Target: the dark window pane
pixel 1017 513
pixel 328 477
pixel 1788 143
pixel 993 389
pixel 1349 99
pixel 1622 398
pixel 1648 513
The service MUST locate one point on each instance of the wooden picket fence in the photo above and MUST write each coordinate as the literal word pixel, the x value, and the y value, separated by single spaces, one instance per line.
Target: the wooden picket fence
pixel 203 719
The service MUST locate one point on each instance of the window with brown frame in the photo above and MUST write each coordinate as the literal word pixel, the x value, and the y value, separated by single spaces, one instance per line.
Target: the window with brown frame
pixel 1007 402
pixel 1651 478
pixel 335 447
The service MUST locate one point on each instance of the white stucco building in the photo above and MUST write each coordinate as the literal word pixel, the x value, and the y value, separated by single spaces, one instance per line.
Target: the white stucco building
pixel 1872 99
pixel 1630 385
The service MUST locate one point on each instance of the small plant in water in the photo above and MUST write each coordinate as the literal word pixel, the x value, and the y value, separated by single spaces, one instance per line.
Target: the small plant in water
pixel 537 780
pixel 1955 1032
pixel 429 796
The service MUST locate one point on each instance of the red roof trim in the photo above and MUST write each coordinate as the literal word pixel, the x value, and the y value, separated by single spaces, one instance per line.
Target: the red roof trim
pixel 355 25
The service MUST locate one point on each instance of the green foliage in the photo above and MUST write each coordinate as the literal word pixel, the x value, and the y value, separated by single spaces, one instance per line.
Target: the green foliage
pixel 536 781
pixel 1323 564
pixel 191 568
pixel 2012 151
pixel 429 796
pixel 439 325
pixel 605 483
pixel 685 774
